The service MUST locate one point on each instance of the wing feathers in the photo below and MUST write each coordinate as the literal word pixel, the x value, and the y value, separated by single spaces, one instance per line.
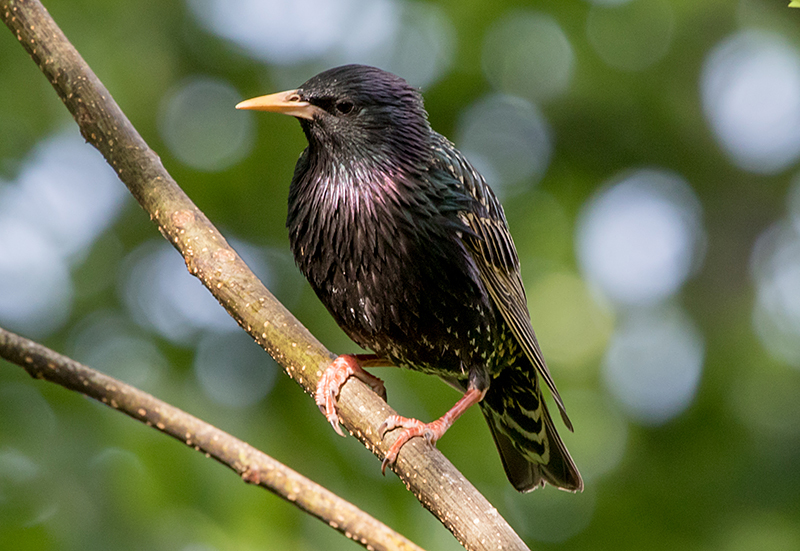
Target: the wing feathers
pixel 493 251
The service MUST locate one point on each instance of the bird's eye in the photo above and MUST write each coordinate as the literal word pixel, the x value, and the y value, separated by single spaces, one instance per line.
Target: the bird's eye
pixel 344 106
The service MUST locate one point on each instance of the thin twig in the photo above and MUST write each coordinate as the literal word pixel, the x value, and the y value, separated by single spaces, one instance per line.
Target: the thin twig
pixel 254 466
pixel 425 471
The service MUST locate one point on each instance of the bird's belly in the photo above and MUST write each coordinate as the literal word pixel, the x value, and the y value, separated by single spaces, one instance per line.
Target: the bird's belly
pixel 414 319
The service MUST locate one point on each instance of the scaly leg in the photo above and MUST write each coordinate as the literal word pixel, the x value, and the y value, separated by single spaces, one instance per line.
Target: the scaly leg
pixel 431 431
pixel 336 374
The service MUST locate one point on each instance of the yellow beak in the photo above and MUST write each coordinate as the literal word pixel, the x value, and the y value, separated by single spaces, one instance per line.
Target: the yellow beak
pixel 288 103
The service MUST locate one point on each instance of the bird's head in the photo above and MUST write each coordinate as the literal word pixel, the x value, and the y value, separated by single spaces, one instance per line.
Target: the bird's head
pixel 357 114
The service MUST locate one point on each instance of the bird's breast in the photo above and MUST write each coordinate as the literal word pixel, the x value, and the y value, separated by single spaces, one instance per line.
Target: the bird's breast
pixel 396 278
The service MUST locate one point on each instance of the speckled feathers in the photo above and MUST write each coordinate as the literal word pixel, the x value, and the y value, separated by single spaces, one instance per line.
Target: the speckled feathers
pixel 409 250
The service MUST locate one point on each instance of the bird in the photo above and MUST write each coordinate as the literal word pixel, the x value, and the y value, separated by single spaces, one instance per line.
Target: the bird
pixel 409 250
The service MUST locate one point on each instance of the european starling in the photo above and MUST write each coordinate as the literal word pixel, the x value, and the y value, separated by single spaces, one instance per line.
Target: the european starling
pixel 408 248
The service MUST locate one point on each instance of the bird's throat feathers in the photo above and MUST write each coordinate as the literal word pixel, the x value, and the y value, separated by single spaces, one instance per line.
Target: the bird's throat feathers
pixel 370 170
pixel 395 144
pixel 363 208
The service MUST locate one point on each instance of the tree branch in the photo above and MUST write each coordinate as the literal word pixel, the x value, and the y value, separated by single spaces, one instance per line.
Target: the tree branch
pixel 254 466
pixel 456 503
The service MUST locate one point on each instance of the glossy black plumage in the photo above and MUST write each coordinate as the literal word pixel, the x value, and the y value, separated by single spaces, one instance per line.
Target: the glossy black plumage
pixel 408 248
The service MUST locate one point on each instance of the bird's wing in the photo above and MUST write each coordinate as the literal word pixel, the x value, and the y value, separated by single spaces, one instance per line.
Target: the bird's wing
pixel 496 257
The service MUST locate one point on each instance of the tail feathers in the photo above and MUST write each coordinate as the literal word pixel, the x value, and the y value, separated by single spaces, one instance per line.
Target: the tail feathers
pixel 531 450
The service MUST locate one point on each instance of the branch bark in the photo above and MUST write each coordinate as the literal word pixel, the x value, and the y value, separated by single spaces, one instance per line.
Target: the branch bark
pixel 254 466
pixel 423 469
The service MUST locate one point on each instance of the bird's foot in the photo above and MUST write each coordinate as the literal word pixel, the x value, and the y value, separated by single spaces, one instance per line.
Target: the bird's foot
pixel 430 431
pixel 335 376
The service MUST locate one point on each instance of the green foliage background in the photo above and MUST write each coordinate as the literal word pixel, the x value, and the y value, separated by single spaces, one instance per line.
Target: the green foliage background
pixel 721 476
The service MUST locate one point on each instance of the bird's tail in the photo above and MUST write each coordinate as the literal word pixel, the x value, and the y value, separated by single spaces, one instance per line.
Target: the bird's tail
pixel 530 448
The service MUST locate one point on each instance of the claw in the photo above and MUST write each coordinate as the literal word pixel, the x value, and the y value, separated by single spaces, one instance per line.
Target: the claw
pixel 332 380
pixel 330 412
pixel 413 427
pixel 430 431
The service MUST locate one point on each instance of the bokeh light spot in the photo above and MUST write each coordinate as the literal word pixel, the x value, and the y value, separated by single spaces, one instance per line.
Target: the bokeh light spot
pixel 130 359
pixel 25 496
pixel 600 445
pixel 417 42
pixel 162 295
pixel 16 467
pixel 631 36
pixel 277 31
pixel 119 471
pixel 775 265
pixel 751 96
pixel 527 54
pixel 233 370
pixel 654 363
pixel 554 516
pixel 200 126
pixel 39 289
pixel 639 239
pixel 68 191
pixel 573 327
pixel 765 401
pixel 761 530
pixel 63 198
pixel 109 343
pixel 507 140
pixel 413 39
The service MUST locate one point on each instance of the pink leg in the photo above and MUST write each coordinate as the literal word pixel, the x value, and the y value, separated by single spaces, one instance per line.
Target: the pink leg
pixel 336 374
pixel 431 431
